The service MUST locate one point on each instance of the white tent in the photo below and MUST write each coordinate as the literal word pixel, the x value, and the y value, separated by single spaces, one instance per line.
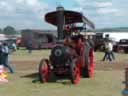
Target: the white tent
pixel 116 35
pixel 3 37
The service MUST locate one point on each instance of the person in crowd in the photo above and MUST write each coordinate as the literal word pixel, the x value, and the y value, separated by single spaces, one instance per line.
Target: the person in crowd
pixel 14 46
pixel 29 46
pixel 18 43
pixel 4 61
pixel 108 50
pixel 111 52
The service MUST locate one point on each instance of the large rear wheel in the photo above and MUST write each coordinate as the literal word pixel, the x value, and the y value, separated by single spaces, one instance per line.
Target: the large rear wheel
pixel 89 62
pixel 43 70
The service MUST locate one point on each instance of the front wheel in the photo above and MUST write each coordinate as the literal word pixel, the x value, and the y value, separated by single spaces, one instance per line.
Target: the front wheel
pixel 75 73
pixel 43 70
pixel 89 63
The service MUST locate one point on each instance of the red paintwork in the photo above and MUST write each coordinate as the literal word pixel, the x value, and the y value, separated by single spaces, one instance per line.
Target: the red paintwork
pixel 45 71
pixel 91 65
pixel 80 60
pixel 18 41
pixel 76 73
pixel 79 63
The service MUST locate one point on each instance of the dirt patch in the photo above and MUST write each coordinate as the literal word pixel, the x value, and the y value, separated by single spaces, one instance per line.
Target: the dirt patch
pixel 99 65
pixel 25 65
pixel 110 65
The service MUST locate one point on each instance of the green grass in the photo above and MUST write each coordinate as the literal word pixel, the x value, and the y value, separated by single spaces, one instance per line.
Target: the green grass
pixel 120 57
pixel 104 83
pixel 24 55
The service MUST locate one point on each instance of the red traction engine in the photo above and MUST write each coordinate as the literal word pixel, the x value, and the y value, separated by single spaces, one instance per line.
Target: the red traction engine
pixel 72 57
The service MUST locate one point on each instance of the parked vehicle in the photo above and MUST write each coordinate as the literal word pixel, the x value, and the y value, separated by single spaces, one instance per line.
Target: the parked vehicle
pixel 101 37
pixel 122 46
pixel 38 38
pixel 72 56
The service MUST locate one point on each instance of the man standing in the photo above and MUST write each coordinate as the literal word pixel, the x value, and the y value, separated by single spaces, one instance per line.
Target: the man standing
pixel 108 50
pixel 29 46
pixel 5 52
pixel 111 49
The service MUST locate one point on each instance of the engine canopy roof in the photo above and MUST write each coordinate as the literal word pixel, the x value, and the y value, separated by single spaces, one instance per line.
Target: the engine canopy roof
pixel 69 17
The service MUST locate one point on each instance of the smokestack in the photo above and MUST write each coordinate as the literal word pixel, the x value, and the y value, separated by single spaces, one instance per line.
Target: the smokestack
pixel 60 22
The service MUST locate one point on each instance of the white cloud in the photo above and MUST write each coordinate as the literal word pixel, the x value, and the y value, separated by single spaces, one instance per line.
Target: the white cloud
pixel 104 4
pixel 5 7
pixel 22 12
pixel 84 3
pixel 79 9
pixel 107 10
pixel 29 13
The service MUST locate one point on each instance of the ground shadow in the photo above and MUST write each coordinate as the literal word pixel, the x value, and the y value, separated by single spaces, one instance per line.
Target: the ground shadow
pixel 32 75
pixel 52 79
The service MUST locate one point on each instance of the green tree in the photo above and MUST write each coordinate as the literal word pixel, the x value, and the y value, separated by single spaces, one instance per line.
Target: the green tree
pixel 9 30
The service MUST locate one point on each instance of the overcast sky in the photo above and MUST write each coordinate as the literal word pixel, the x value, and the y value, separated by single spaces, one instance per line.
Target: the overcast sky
pixel 29 13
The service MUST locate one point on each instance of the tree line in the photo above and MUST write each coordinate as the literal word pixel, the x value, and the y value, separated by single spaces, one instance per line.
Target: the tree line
pixel 8 30
pixel 116 29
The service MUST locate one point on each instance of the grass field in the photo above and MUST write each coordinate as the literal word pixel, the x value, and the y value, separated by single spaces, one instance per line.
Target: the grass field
pixel 107 80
